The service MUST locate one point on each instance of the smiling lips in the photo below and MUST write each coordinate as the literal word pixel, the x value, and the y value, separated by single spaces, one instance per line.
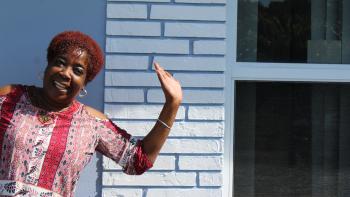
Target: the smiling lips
pixel 61 87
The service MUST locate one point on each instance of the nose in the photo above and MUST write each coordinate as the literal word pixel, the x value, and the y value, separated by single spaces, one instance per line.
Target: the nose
pixel 65 73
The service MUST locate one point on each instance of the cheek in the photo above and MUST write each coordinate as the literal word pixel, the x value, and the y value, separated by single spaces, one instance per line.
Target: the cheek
pixel 50 70
pixel 47 73
pixel 79 82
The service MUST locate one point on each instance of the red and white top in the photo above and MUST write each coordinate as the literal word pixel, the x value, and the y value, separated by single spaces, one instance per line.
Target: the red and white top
pixel 42 153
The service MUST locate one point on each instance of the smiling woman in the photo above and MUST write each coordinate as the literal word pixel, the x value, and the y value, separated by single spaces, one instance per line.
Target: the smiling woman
pixel 73 60
pixel 47 137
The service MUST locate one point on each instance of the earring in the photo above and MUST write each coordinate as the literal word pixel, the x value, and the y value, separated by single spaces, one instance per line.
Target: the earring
pixel 83 92
pixel 41 75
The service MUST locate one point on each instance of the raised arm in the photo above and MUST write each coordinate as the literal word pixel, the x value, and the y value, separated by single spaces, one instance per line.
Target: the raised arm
pixel 155 139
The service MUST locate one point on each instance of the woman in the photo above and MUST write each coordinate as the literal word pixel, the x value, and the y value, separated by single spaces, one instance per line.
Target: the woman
pixel 47 136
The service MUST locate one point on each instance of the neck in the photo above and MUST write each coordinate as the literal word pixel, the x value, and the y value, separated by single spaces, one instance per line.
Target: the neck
pixel 41 100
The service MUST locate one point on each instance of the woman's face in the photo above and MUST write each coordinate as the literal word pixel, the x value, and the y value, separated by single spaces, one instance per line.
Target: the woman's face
pixel 65 76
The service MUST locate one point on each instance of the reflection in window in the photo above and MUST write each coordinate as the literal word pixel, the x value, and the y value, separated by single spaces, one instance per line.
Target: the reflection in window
pixel 292 140
pixel 298 31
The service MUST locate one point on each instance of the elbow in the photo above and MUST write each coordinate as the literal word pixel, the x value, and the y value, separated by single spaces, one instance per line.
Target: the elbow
pixel 138 163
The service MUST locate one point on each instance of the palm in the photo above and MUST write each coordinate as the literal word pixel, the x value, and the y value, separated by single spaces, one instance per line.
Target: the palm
pixel 171 87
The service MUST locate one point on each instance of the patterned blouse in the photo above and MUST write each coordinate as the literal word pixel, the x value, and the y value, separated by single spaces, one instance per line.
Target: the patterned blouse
pixel 42 153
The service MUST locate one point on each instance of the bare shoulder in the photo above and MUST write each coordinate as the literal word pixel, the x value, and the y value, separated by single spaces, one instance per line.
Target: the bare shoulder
pixel 6 89
pixel 95 113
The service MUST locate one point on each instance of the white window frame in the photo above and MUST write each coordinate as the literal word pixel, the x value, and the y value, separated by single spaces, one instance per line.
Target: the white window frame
pixel 255 71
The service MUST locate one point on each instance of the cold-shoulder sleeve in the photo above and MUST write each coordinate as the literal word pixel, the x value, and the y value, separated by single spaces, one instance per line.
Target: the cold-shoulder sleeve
pixel 9 100
pixel 2 99
pixel 121 147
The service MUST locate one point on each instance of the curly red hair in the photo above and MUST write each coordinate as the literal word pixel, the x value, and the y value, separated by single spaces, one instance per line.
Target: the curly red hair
pixel 68 40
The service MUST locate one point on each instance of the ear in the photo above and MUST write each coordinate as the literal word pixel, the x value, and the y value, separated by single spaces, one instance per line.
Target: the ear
pixel 85 82
pixel 44 72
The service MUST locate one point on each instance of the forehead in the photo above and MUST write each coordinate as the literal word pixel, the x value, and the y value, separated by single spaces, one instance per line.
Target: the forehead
pixel 75 54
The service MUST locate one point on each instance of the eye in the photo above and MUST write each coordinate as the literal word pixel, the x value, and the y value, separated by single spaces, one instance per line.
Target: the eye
pixel 78 70
pixel 59 62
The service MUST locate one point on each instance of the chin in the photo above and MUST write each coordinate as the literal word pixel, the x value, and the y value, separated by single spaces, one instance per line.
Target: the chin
pixel 60 97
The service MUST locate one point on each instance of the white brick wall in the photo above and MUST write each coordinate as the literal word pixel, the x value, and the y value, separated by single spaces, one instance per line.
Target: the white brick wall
pixel 200 1
pixel 205 113
pixel 179 129
pixel 122 111
pixel 139 45
pixel 143 0
pixel 133 28
pixel 189 96
pixel 163 163
pixel 124 95
pixel 192 146
pixel 183 192
pixel 150 179
pixel 126 11
pixel 108 192
pixel 187 37
pixel 200 80
pixel 195 30
pixel 192 63
pixel 209 47
pixel 200 163
pixel 132 61
pixel 123 79
pixel 178 12
pixel 210 179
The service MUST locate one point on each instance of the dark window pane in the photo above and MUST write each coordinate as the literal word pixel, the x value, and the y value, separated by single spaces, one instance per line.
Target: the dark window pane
pixel 296 31
pixel 291 140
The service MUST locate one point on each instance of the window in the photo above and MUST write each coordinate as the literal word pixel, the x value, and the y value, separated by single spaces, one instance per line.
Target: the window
pixel 298 31
pixel 292 139
pixel 287 92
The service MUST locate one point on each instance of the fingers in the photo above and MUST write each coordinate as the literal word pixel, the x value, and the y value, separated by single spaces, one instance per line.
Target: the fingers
pixel 160 70
pixel 162 74
pixel 157 66
pixel 168 74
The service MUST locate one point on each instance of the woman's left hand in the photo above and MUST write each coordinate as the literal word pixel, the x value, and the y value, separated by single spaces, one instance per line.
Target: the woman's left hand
pixel 170 86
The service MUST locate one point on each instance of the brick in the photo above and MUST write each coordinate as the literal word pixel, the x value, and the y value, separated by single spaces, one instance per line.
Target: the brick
pixel 192 63
pixel 124 95
pixel 200 80
pixel 126 62
pixel 162 163
pixel 149 45
pixel 131 79
pixel 126 11
pixel 143 0
pixel 198 129
pixel 192 146
pixel 195 192
pixel 189 96
pixel 195 30
pixel 179 129
pixel 210 179
pixel 200 1
pixel 180 12
pixel 138 111
pixel 150 179
pixel 200 163
pixel 136 128
pixel 206 113
pixel 108 192
pixel 212 47
pixel 133 28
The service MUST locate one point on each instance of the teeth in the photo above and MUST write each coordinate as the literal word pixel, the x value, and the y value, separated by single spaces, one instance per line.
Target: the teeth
pixel 60 86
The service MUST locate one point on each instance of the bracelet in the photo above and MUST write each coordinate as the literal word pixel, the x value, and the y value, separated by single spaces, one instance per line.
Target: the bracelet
pixel 163 123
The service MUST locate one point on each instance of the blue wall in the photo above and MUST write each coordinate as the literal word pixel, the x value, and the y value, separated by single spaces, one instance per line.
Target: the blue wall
pixel 26 28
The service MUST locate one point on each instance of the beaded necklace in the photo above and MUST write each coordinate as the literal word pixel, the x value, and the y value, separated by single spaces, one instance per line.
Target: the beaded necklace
pixel 47 113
